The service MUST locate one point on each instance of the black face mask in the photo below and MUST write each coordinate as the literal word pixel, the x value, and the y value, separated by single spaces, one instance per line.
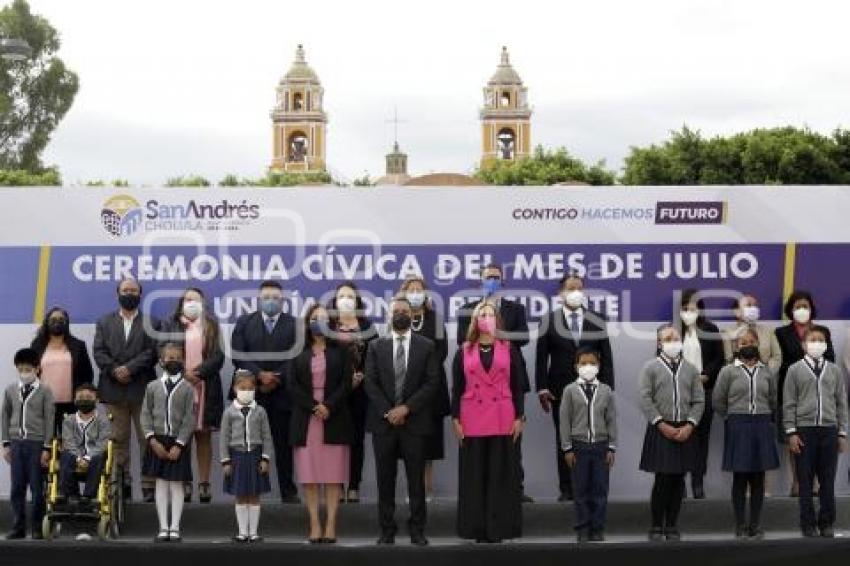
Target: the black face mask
pixel 401 322
pixel 85 405
pixel 173 367
pixel 748 352
pixel 57 327
pixel 129 302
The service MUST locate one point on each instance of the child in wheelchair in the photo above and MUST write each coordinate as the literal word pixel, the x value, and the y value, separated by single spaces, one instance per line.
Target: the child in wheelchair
pixel 85 435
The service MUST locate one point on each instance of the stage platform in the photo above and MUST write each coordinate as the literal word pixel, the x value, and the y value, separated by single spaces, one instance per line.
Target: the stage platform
pixel 548 539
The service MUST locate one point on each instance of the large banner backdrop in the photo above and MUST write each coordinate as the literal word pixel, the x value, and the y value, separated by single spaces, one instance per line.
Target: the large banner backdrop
pixel 636 248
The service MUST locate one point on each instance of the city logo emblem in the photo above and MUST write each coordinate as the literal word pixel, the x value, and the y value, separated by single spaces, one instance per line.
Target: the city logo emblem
pixel 121 215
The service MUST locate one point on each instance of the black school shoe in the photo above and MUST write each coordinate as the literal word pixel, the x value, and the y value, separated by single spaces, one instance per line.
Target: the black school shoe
pixel 809 532
pixel 756 532
pixel 16 535
pixel 827 532
pixel 672 534
pixel 597 536
pixel 656 534
pixel 742 532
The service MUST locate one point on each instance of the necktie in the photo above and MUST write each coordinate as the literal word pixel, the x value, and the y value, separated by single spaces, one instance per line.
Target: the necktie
pixel 588 391
pixel 170 385
pixel 400 367
pixel 27 391
pixel 270 325
pixel 574 327
pixel 245 411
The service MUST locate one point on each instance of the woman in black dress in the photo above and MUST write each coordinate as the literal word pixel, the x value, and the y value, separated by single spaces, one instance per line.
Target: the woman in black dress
pixel 427 322
pixel 351 328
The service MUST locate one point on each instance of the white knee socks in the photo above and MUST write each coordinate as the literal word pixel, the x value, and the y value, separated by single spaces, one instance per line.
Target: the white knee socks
pixel 161 497
pixel 177 494
pixel 242 519
pixel 253 519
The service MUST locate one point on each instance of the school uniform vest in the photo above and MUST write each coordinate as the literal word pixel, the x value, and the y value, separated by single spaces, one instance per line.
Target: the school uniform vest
pixel 487 407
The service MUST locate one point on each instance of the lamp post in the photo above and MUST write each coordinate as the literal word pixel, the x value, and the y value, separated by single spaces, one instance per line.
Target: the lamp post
pixel 14 50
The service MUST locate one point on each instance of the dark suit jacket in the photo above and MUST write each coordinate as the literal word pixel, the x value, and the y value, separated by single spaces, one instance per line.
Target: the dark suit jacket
pixel 711 348
pixel 137 353
pixel 556 351
pixel 338 428
pixel 514 320
pixel 81 368
pixel 250 335
pixel 420 385
pixel 430 327
pixel 210 372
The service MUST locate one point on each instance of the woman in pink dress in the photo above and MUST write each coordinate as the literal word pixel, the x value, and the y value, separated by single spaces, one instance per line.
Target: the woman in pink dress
pixel 198 330
pixel 321 429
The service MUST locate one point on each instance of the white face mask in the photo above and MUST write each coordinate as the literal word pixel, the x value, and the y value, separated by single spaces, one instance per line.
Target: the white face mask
pixel 574 299
pixel 192 309
pixel 815 349
pixel 245 396
pixel 750 314
pixel 346 304
pixel 416 298
pixel 588 372
pixel 802 315
pixel 672 349
pixel 27 378
pixel 689 317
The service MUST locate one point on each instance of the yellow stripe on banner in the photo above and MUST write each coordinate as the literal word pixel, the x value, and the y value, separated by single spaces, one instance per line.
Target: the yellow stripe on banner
pixel 41 289
pixel 790 267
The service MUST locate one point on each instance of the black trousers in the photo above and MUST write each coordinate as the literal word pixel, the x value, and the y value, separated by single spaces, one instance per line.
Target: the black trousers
pixel 27 471
pixel 67 475
pixel 590 481
pixel 358 404
pixel 818 458
pixel 489 503
pixel 702 434
pixel 390 447
pixel 565 485
pixel 279 425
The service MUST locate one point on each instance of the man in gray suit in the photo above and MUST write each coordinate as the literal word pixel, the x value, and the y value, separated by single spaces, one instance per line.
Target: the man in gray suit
pixel 125 352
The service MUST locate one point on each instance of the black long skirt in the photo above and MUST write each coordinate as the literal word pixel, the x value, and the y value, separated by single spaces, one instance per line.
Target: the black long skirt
pixel 489 505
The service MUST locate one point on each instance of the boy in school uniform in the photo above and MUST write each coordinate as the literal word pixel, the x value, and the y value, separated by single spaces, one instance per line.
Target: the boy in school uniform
pixel 815 420
pixel 26 433
pixel 589 437
pixel 85 435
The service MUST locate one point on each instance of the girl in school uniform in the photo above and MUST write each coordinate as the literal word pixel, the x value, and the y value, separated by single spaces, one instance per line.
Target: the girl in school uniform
pixel 245 446
pixel 168 422
pixel 745 396
pixel 672 398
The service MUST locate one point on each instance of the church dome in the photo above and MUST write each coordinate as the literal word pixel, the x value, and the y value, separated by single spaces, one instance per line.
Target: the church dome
pixel 505 73
pixel 300 71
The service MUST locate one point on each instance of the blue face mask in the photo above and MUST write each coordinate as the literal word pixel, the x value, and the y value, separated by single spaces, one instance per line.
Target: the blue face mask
pixel 270 307
pixel 491 286
pixel 317 327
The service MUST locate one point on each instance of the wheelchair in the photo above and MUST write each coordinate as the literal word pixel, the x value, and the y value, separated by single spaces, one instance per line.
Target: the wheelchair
pixel 107 510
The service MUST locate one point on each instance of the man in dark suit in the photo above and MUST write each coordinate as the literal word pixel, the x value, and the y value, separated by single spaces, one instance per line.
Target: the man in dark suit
pixel 263 343
pixel 560 336
pixel 125 352
pixel 514 326
pixel 401 382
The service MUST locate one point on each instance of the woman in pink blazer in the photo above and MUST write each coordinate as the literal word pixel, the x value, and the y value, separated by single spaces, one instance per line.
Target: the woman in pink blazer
pixel 487 413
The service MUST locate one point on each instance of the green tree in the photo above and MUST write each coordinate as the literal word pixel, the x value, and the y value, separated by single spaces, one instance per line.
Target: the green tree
pixel 35 94
pixel 20 178
pixel 545 167
pixel 364 181
pixel 757 157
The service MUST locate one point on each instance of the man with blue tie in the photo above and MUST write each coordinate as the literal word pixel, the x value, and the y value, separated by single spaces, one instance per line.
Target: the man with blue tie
pixel 264 343
pixel 561 335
